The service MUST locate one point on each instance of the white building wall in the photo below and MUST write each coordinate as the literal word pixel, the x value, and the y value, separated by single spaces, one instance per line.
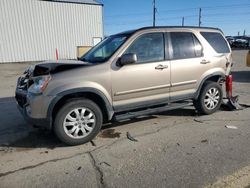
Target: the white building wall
pixel 31 30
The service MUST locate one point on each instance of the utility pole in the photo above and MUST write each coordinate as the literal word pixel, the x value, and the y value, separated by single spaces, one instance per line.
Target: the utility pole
pixel 183 21
pixel 199 17
pixel 154 12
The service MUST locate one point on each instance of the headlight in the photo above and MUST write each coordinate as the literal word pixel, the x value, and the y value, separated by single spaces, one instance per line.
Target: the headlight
pixel 40 84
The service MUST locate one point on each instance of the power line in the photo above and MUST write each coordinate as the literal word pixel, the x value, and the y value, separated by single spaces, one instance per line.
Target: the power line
pixel 177 17
pixel 202 15
pixel 159 19
pixel 225 22
pixel 181 10
pixel 226 14
pixel 226 6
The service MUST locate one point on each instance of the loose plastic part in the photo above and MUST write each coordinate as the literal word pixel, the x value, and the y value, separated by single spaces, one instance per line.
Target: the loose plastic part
pixel 229 86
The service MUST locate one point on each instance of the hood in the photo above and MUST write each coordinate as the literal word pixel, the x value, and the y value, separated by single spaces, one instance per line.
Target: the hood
pixel 51 67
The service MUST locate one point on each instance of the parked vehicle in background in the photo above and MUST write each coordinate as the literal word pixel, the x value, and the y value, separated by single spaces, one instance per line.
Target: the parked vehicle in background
pixel 240 43
pixel 230 40
pixel 134 73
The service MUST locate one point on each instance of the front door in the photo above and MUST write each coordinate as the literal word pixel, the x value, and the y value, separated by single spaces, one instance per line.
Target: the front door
pixel 146 82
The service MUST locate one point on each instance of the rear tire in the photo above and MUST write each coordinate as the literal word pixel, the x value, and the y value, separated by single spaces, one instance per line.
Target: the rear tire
pixel 78 122
pixel 210 98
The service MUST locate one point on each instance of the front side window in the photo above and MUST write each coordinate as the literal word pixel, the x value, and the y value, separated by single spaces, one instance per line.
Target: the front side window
pixel 217 41
pixel 148 48
pixel 185 45
pixel 105 49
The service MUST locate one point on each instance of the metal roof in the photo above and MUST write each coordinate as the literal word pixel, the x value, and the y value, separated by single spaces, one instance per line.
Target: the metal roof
pixel 90 2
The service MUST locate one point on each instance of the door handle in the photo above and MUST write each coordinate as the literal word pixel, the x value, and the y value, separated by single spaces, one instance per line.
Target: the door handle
pixel 204 61
pixel 161 67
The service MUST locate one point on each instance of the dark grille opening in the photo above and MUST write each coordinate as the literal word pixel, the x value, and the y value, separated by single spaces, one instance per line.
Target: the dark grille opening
pixel 21 99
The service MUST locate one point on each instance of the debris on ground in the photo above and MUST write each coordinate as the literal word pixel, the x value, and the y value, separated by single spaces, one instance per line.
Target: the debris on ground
pixel 44 152
pixel 232 103
pixel 231 127
pixel 245 105
pixel 79 168
pixel 199 121
pixel 204 141
pixel 131 138
pixel 105 163
pixel 109 133
pixel 93 143
pixel 178 144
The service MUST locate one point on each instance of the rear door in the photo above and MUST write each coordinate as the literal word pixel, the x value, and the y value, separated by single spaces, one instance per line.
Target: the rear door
pixel 187 64
pixel 223 58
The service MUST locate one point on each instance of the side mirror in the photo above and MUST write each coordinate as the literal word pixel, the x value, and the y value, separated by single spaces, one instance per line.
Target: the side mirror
pixel 127 59
pixel 248 58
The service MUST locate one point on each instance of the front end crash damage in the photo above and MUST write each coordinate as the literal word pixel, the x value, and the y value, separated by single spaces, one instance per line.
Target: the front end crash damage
pixel 54 67
pixel 30 89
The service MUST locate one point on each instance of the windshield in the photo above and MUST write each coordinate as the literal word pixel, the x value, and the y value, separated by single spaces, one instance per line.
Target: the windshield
pixel 105 49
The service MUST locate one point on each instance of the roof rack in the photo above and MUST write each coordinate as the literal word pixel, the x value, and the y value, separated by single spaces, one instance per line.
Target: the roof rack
pixel 167 27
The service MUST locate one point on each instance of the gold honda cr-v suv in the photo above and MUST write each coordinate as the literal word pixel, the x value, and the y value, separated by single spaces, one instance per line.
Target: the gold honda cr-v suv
pixel 134 73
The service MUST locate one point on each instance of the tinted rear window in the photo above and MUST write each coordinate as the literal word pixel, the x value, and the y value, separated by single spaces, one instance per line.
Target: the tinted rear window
pixel 185 45
pixel 217 41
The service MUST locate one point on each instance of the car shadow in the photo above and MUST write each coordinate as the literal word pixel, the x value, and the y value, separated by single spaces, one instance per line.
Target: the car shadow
pixel 15 132
pixel 36 138
pixel 18 134
pixel 39 138
pixel 241 76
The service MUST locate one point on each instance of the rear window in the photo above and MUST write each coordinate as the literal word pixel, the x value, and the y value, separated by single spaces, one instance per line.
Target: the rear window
pixel 217 41
pixel 185 45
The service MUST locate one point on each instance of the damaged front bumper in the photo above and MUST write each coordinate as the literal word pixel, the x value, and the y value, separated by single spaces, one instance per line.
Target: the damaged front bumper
pixel 36 122
pixel 33 107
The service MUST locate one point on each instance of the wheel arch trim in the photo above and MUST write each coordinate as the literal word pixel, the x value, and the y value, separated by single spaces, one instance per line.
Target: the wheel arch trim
pixel 197 93
pixel 59 96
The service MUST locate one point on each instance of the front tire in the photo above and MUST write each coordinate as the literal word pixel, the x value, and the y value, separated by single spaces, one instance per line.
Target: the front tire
pixel 210 98
pixel 78 122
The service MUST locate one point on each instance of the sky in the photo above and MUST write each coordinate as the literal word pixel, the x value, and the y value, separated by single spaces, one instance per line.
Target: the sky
pixel 232 16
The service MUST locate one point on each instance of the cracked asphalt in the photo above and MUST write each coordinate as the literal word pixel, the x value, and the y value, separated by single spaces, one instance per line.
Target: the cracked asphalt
pixel 174 149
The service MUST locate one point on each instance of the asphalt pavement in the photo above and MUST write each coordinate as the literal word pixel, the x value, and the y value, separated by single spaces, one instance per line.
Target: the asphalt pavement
pixel 173 149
